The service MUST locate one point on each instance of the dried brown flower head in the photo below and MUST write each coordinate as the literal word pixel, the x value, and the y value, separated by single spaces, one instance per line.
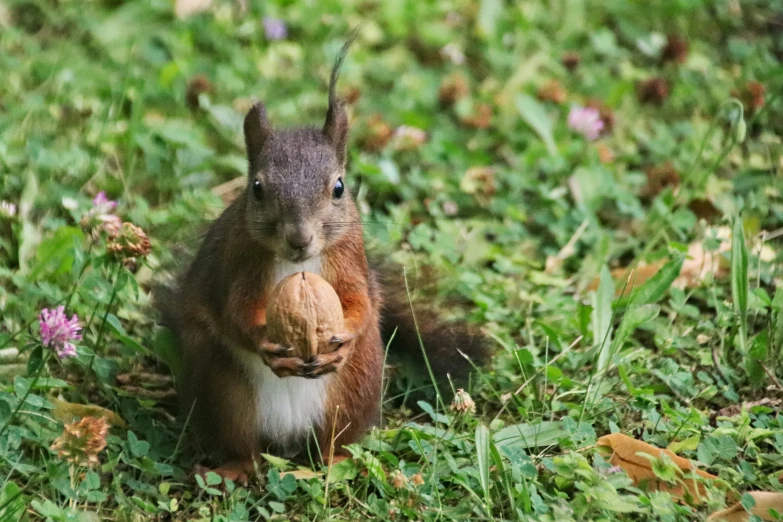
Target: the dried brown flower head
pixel 479 181
pixel 376 135
pixel 705 209
pixel 552 91
pixel 480 118
pixel 654 90
pixel 463 403
pixel 129 241
pixel 675 50
pixel 751 96
pixel 605 154
pixel 409 138
pixel 571 61
pixel 658 178
pixel 351 94
pixel 453 88
pixel 417 479
pixel 197 85
pixel 398 479
pixel 604 112
pixel 82 441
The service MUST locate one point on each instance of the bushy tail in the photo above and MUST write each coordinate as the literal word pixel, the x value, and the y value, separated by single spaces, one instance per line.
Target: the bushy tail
pixel 410 321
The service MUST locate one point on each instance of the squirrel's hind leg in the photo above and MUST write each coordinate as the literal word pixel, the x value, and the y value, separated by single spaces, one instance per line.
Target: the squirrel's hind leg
pixel 354 402
pixel 223 401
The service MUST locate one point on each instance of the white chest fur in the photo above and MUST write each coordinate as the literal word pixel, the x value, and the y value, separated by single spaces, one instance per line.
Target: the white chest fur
pixel 287 408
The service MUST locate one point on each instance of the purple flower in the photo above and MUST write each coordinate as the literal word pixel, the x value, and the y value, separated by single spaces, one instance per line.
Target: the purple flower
pixel 274 28
pixel 100 217
pixel 102 204
pixel 7 209
pixel 57 331
pixel 586 122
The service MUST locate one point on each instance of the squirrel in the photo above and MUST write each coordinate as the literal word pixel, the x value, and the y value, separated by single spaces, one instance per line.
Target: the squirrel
pixel 248 395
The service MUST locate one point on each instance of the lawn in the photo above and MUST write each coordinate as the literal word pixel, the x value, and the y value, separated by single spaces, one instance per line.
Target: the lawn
pixel 597 184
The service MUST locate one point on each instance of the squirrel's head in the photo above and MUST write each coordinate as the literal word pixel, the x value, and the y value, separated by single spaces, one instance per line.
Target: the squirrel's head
pixel 297 200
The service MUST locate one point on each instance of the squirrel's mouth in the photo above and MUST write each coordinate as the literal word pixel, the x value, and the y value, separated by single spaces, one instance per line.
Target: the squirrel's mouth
pixel 300 256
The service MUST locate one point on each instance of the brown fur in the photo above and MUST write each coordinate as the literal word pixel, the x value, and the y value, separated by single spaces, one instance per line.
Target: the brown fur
pixel 219 304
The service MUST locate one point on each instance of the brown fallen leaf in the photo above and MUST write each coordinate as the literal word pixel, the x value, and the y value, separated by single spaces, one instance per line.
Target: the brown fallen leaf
pixel 638 276
pixel 699 264
pixel 186 8
pixel 625 454
pixel 66 412
pixel 302 474
pixel 152 379
pixel 736 409
pixel 765 501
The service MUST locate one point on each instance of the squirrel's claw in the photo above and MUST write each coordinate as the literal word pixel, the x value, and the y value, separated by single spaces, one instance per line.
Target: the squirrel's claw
pixel 270 349
pixel 275 356
pixel 341 338
pixel 325 363
pixel 286 366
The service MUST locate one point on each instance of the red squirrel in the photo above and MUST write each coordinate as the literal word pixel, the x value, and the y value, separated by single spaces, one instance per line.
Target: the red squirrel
pixel 248 395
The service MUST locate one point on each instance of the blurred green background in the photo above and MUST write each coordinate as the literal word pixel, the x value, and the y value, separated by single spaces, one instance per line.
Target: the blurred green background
pixel 462 161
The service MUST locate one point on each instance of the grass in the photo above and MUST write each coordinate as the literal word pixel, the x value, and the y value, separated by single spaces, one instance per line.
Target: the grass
pixel 631 284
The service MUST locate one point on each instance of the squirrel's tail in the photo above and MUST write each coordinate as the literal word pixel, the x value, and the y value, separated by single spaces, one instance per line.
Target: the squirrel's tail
pixel 410 321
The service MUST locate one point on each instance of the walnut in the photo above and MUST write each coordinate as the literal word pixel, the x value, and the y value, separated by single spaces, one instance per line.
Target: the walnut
pixel 305 313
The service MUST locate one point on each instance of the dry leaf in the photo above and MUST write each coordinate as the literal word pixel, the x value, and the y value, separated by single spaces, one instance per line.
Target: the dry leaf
pixel 736 409
pixel 479 181
pixel 302 474
pixel 765 501
pixel 185 8
pixel 605 154
pixel 641 274
pixel 698 265
pixel 552 91
pixel 625 454
pixel 65 412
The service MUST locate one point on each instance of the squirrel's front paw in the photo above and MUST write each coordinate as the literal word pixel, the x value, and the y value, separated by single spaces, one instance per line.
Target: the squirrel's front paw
pixel 325 363
pixel 340 339
pixel 276 356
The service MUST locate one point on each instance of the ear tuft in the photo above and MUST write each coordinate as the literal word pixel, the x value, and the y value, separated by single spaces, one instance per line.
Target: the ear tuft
pixel 336 129
pixel 257 131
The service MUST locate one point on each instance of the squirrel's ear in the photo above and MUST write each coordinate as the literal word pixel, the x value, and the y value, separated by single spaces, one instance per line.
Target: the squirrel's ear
pixel 336 129
pixel 257 130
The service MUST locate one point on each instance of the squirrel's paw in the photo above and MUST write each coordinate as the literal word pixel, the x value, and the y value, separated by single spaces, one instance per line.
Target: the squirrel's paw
pixel 325 363
pixel 341 338
pixel 286 366
pixel 279 360
pixel 270 350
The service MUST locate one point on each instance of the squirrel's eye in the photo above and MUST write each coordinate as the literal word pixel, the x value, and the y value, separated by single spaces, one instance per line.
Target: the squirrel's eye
pixel 338 189
pixel 258 190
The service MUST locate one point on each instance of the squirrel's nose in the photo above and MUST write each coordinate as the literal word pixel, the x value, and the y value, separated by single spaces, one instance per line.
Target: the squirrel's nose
pixel 299 239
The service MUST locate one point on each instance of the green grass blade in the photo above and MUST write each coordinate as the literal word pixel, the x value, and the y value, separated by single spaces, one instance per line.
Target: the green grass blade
pixel 535 115
pixel 739 281
pixel 602 318
pixel 482 456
